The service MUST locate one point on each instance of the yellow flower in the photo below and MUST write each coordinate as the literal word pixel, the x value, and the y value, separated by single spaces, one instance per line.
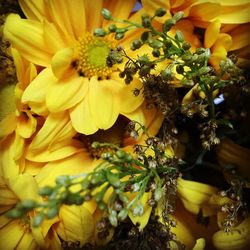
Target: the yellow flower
pixel 18 233
pixel 76 77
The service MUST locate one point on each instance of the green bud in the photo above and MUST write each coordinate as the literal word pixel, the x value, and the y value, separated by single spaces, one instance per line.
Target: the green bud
pixel 160 12
pixel 136 187
pixel 74 198
pixel 166 74
pixel 102 205
pixel 156 44
pixel 37 220
pixel 179 69
pixel 15 213
pixel 52 212
pixel 28 204
pixel 106 14
pixel 144 36
pixel 144 71
pixel 158 194
pixel 95 144
pixel 124 198
pixel 179 36
pixel 204 70
pixel 156 53
pixel 178 16
pixel 136 44
pixel 138 210
pixel 46 191
pixel 146 22
pixel 99 32
pixel 186 45
pixel 112 28
pixel 168 24
pixel 113 218
pixel 123 214
pixel 113 179
pixel 63 180
pixel 143 59
pixel 96 178
pixel 129 158
pixel 85 183
pixel 99 196
pixel 119 35
pixel 120 154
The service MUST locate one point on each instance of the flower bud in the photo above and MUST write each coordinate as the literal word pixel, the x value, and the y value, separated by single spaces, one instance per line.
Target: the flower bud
pixel 99 32
pixel 106 14
pixel 112 28
pixel 160 12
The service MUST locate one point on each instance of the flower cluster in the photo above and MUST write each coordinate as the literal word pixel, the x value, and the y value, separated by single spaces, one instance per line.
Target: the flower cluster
pixel 124 127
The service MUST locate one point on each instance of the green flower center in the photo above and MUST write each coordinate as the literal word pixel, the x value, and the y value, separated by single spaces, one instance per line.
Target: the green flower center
pixel 91 56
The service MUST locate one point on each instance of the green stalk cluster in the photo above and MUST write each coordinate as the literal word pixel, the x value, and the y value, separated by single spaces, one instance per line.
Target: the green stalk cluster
pixel 109 184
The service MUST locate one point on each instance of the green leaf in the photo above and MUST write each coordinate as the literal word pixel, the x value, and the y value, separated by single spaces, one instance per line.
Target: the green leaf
pixel 113 179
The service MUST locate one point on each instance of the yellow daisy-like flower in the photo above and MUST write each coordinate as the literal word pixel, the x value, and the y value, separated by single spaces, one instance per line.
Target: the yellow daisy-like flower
pixel 18 233
pixel 76 77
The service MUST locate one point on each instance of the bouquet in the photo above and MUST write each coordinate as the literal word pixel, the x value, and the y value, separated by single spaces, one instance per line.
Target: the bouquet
pixel 124 124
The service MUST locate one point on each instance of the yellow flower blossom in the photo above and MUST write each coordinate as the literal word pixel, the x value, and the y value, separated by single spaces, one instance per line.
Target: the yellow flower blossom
pixel 19 233
pixel 76 77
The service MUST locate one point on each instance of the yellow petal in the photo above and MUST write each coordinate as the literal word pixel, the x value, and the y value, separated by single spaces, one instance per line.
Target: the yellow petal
pixel 7 197
pixel 34 10
pixel 56 152
pixel 235 14
pixel 129 102
pixel 212 33
pixel 61 63
pixel 115 7
pixel 69 16
pixel 36 91
pixel 92 13
pixel 80 163
pixel 31 45
pixel 76 224
pixel 103 105
pixel 52 126
pixel 54 39
pixel 24 186
pixel 66 93
pixel 204 11
pixel 26 125
pixel 10 235
pixel 9 166
pixel 200 244
pixel 8 125
pixel 82 120
pixel 240 36
pixel 27 242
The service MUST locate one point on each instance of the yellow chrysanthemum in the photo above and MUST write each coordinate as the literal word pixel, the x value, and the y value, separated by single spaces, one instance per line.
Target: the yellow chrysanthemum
pixel 19 233
pixel 76 77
